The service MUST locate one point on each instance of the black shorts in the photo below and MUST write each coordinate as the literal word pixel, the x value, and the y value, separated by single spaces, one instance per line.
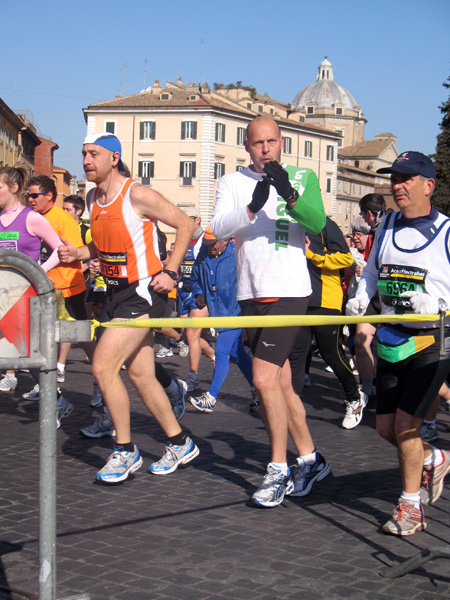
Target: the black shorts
pixel 75 307
pixel 273 344
pixel 412 384
pixel 134 301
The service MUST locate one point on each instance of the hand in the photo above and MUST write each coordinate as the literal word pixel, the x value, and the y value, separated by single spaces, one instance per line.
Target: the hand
pixel 279 178
pixel 200 301
pixel 260 195
pixel 359 270
pixel 423 304
pixel 356 307
pixel 67 252
pixel 162 283
pixel 307 243
pixel 94 266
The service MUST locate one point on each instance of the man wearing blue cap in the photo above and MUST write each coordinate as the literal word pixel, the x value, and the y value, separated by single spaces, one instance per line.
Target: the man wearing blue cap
pixel 123 227
pixel 409 266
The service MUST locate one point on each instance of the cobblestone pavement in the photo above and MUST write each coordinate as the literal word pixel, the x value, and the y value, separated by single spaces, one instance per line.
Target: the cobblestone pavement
pixel 193 534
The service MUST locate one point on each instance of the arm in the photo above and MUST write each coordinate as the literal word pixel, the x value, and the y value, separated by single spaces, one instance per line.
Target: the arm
pixel 333 253
pixel 149 204
pixel 68 253
pixel 229 218
pixel 39 226
pixel 308 209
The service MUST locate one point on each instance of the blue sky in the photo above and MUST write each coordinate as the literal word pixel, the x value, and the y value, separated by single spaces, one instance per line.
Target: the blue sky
pixel 392 55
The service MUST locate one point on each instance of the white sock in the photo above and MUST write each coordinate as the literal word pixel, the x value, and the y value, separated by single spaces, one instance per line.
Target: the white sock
pixel 412 498
pixel 308 459
pixel 283 467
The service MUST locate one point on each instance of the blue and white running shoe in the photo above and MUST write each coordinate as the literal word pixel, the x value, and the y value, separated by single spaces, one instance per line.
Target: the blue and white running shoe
pixel 119 465
pixel 174 456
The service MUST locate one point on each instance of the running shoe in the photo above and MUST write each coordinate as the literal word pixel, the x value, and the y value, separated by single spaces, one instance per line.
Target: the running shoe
pixel 406 520
pixel 255 402
pixel 119 465
pixel 97 398
pixel 33 394
pixel 60 376
pixel 183 349
pixel 354 411
pixel 433 479
pixel 8 383
pixel 63 409
pixel 164 352
pixel 101 427
pixel 428 432
pixel 204 403
pixel 274 488
pixel 304 476
pixel 192 383
pixel 174 456
pixel 177 399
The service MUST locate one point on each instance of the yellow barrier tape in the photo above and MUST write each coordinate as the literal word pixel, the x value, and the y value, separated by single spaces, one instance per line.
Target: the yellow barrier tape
pixel 264 321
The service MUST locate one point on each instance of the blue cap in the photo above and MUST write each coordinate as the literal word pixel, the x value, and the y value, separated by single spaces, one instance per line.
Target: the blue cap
pixel 413 163
pixel 108 141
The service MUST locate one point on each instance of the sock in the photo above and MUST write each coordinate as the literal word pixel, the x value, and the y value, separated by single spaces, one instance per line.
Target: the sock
pixel 172 389
pixel 283 467
pixel 412 498
pixel 61 367
pixel 436 456
pixel 309 459
pixel 178 440
pixel 367 385
pixel 124 447
pixel 433 423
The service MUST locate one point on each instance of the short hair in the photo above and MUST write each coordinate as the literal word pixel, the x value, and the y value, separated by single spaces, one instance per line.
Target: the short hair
pixel 373 202
pixel 361 226
pixel 77 202
pixel 45 184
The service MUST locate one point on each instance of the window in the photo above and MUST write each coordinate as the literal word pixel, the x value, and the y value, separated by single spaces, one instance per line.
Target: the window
pixel 220 132
pixel 287 145
pixel 249 105
pixel 187 172
pixel 339 186
pixel 146 171
pixel 339 111
pixel 165 96
pixel 308 149
pixel 110 127
pixel 260 108
pixel 239 168
pixel 241 136
pixel 356 163
pixel 310 110
pixel 219 170
pixel 147 130
pixel 328 185
pixel 189 130
pixel 301 119
pixel 271 111
pixel 330 153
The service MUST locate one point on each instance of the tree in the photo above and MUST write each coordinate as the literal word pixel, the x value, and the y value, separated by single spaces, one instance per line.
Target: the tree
pixel 441 195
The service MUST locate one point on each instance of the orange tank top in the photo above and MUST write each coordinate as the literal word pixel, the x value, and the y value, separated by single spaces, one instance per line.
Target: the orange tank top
pixel 127 245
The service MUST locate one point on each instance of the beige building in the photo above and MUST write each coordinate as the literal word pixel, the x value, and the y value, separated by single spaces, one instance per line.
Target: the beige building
pixel 18 139
pixel 180 139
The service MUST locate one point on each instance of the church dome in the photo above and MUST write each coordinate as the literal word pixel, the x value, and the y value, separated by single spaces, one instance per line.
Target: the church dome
pixel 325 92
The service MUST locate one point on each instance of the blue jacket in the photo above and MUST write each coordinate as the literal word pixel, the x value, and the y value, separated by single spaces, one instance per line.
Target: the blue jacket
pixel 221 299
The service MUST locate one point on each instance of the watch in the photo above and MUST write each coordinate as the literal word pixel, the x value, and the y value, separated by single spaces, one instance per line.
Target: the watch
pixel 172 274
pixel 293 198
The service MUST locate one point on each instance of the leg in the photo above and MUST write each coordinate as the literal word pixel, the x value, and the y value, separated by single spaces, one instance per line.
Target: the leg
pixel 365 362
pixel 298 358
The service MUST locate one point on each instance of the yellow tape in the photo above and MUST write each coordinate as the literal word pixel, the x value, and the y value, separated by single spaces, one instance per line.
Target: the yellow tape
pixel 265 321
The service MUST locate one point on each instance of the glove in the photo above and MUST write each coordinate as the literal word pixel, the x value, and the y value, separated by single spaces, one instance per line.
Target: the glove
pixel 356 307
pixel 423 304
pixel 260 195
pixel 279 178
pixel 200 301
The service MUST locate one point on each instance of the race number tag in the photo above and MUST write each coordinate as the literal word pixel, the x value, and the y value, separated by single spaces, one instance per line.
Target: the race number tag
pixel 113 267
pixel 393 280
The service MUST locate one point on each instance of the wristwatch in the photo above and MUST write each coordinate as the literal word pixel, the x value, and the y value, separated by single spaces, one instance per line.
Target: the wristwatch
pixel 172 274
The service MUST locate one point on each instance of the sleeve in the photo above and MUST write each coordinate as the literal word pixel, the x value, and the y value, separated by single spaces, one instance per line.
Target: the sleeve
pixel 39 226
pixel 309 211
pixel 195 276
pixel 367 286
pixel 336 254
pixel 227 218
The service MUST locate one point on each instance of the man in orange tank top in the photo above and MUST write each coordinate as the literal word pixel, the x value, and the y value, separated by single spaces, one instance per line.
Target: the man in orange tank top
pixel 123 226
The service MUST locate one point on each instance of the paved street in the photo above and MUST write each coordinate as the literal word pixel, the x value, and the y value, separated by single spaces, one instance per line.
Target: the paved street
pixel 193 534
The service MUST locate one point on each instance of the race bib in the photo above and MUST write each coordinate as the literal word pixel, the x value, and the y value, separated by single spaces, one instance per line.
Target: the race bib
pixel 393 280
pixel 113 267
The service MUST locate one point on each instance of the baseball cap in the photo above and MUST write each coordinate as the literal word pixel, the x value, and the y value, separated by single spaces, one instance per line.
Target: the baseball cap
pixel 361 226
pixel 191 211
pixel 209 239
pixel 108 141
pixel 413 163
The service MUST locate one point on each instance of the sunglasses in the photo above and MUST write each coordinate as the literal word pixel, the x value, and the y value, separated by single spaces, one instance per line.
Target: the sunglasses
pixel 34 196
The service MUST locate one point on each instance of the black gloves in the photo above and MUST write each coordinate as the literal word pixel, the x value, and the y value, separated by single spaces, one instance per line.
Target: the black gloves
pixel 279 178
pixel 200 301
pixel 260 195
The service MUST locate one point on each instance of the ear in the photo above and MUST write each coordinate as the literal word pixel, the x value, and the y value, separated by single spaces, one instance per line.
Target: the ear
pixel 430 184
pixel 246 145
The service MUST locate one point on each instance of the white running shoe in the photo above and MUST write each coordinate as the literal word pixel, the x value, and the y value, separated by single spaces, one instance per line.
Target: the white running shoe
pixel 183 349
pixel 354 411
pixel 8 383
pixel 33 394
pixel 204 403
pixel 164 352
pixel 101 427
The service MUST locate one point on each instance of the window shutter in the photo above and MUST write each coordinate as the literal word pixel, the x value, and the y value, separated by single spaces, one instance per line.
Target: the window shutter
pixel 153 130
pixel 194 130
pixel 183 130
pixel 193 169
pixel 141 130
pixel 151 169
pixel 140 169
pixel 181 169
